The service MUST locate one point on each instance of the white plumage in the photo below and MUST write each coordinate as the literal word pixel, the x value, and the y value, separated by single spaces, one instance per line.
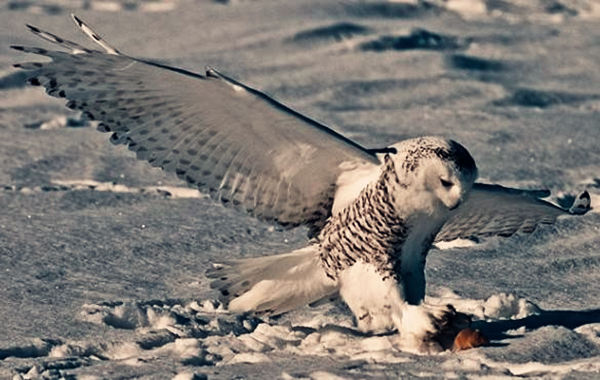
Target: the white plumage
pixel 373 214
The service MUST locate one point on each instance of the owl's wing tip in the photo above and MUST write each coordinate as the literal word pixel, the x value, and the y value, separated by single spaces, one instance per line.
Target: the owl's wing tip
pixel 76 19
pixel 94 36
pixel 581 204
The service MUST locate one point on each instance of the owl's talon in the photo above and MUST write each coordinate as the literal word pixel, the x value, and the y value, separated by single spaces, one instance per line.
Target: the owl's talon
pixel 431 329
pixel 447 326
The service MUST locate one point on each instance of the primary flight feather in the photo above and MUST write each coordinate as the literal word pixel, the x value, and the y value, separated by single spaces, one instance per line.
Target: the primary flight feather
pixel 373 214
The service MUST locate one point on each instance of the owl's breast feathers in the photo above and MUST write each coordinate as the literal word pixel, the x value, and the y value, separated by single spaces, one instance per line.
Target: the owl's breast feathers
pixel 368 230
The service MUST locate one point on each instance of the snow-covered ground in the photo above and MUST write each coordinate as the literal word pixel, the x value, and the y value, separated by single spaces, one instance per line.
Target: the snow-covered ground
pixel 102 257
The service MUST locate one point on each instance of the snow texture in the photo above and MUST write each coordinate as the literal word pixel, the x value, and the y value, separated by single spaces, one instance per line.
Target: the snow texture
pixel 102 258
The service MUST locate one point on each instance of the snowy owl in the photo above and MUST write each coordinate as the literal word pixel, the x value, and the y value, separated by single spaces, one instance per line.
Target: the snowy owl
pixel 373 214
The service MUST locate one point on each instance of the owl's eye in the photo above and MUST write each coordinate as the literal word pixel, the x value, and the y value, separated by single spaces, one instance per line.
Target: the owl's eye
pixel 446 184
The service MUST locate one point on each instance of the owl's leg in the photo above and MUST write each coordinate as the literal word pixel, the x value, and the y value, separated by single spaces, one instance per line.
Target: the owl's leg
pixel 424 328
pixel 375 302
pixel 379 305
pixel 428 328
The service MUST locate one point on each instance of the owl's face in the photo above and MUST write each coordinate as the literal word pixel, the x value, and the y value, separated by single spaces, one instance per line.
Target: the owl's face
pixel 440 170
pixel 447 183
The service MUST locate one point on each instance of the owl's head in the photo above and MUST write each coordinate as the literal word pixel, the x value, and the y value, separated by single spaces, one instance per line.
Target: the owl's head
pixel 436 166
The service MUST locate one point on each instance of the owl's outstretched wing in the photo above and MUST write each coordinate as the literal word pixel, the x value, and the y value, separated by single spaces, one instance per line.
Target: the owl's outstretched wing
pixel 496 210
pixel 233 142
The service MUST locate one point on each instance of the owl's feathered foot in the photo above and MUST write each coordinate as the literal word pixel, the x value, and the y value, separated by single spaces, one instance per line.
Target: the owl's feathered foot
pixel 448 323
pixel 430 329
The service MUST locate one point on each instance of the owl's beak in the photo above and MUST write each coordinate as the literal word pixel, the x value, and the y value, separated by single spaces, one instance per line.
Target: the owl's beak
pixel 458 197
pixel 458 203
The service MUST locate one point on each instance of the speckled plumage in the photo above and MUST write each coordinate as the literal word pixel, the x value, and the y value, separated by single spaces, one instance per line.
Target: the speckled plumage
pixel 368 230
pixel 372 229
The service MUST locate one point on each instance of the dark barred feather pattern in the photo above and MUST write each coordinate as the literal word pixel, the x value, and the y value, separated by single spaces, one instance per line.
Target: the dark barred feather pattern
pixel 369 230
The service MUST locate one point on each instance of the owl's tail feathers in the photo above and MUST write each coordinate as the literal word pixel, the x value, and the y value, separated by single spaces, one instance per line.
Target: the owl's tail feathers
pixel 272 285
